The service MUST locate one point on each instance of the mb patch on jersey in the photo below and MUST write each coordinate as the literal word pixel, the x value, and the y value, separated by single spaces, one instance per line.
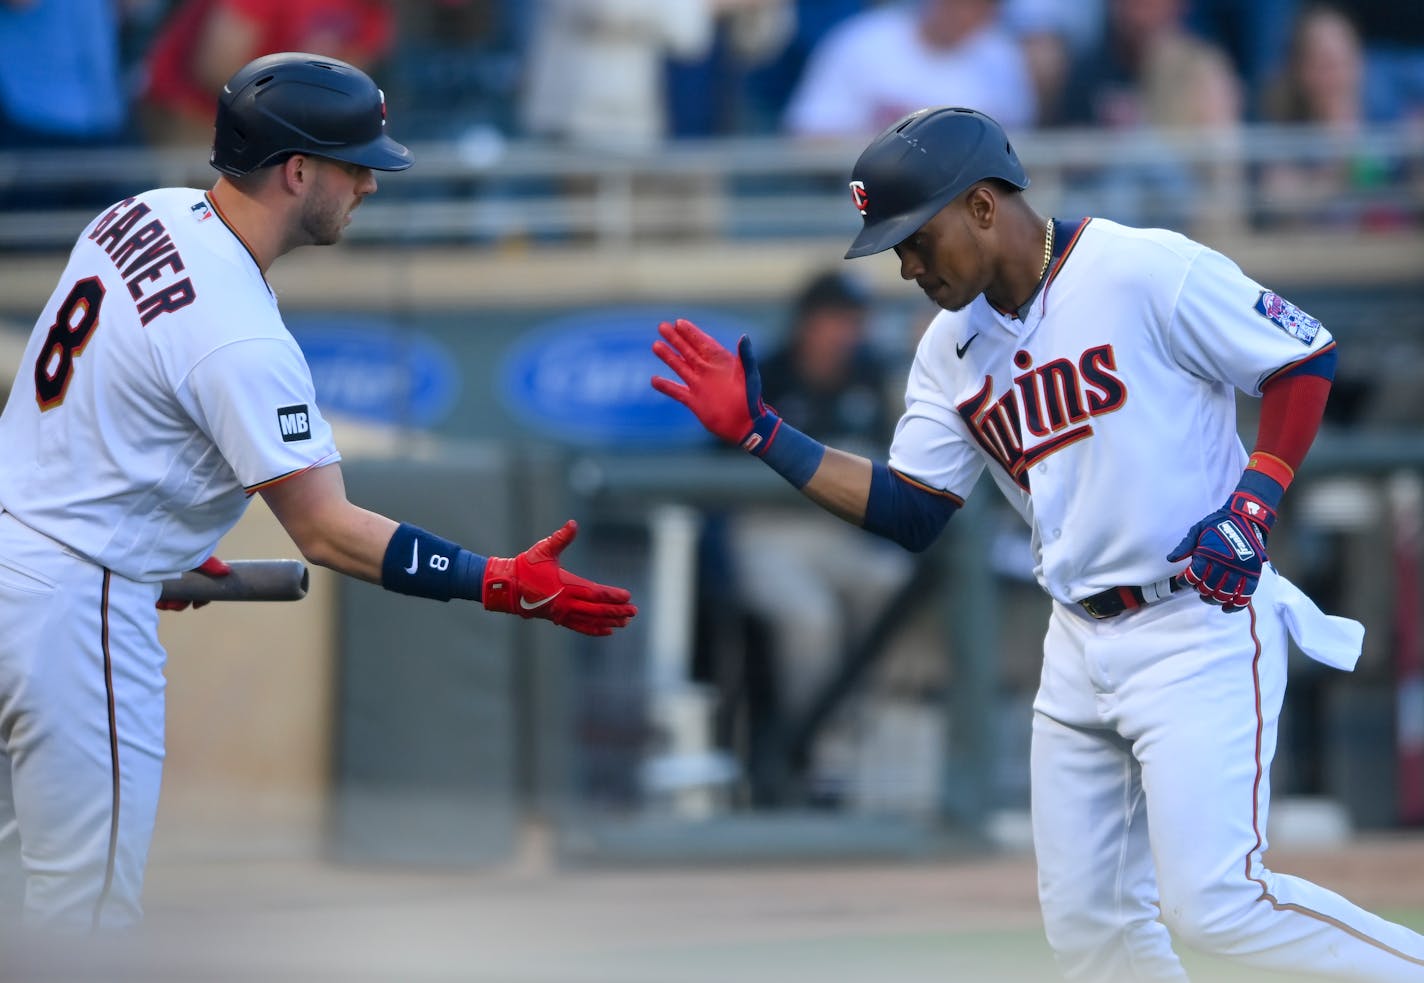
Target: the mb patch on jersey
pixel 294 422
pixel 1286 316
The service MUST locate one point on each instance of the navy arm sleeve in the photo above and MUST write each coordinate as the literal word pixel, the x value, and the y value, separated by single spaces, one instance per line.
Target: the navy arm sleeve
pixel 903 510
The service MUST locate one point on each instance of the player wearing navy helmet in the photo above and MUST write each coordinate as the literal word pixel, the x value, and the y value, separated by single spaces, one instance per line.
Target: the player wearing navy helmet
pixel 159 391
pixel 1091 369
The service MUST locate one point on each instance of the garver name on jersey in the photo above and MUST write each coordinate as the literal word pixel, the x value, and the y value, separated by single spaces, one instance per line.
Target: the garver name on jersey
pixel 1054 401
pixel 147 259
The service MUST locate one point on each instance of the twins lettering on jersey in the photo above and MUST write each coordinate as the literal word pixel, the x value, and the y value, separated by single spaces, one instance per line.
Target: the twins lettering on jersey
pixel 146 258
pixel 1046 409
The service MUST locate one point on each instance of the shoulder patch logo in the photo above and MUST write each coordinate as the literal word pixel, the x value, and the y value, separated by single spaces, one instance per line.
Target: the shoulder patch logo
pixel 294 422
pixel 1286 316
pixel 201 211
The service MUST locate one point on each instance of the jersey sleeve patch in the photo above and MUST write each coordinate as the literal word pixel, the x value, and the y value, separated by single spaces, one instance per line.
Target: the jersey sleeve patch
pixel 294 422
pixel 1286 316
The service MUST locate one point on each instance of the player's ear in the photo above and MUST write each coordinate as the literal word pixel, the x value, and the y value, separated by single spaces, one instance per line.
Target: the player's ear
pixel 982 205
pixel 297 171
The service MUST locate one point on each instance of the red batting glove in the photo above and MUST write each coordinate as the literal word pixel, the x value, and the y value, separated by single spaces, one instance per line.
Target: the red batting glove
pixel 213 567
pixel 532 585
pixel 722 389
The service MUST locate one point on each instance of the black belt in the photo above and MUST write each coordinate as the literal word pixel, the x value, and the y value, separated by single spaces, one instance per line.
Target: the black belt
pixel 1115 600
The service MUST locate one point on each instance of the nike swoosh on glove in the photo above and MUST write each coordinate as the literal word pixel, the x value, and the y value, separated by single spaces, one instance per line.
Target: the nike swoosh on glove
pixel 1228 547
pixel 213 567
pixel 722 390
pixel 533 585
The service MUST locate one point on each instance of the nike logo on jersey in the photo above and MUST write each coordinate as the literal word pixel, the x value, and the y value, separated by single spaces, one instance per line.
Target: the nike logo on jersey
pixel 961 349
pixel 529 605
pixel 414 557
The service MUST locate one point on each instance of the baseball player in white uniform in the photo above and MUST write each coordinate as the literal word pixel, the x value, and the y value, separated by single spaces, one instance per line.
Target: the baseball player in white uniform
pixel 158 393
pixel 1091 368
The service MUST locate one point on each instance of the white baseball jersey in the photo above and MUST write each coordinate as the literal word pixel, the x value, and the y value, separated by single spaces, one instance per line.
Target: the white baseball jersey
pixel 1107 415
pixel 158 391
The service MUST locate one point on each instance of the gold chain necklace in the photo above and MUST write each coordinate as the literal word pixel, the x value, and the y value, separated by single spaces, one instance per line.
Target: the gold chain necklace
pixel 1047 249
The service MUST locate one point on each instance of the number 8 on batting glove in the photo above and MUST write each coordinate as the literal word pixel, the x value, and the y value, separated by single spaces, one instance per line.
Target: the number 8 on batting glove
pixel 532 585
pixel 1228 548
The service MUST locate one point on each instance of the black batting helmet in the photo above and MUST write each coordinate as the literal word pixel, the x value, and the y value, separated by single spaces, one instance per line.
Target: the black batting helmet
pixel 919 165
pixel 296 103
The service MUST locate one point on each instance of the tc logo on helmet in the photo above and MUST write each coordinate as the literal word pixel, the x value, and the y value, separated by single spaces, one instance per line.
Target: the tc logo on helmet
pixel 858 196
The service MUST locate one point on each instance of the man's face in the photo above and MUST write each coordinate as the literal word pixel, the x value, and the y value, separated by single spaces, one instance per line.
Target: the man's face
pixel 946 257
pixel 950 22
pixel 338 189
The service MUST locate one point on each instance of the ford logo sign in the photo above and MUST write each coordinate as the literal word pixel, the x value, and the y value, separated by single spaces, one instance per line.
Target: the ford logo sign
pixel 583 379
pixel 374 370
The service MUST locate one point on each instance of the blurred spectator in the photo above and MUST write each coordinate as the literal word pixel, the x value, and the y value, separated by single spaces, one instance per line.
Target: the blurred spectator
pixel 1324 72
pixel 60 78
pixel 1150 71
pixel 1079 23
pixel 61 87
pixel 1052 34
pixel 770 86
pixel 1150 75
pixel 708 96
pixel 205 41
pixel 456 69
pixel 888 61
pixel 1393 33
pixel 595 72
pixel 1248 31
pixel 1322 84
pixel 812 580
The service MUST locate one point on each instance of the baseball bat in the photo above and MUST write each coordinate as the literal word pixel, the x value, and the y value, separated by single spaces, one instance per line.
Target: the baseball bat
pixel 250 580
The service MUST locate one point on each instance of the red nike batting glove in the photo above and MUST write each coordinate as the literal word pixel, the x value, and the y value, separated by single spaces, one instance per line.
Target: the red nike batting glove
pixel 213 567
pixel 533 585
pixel 722 390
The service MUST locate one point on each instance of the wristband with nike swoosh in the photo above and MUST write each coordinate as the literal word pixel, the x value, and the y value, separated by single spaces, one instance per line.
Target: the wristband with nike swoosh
pixel 422 564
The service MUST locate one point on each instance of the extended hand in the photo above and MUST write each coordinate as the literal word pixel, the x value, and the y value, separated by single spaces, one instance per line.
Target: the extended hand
pixel 722 390
pixel 213 567
pixel 532 585
pixel 1227 550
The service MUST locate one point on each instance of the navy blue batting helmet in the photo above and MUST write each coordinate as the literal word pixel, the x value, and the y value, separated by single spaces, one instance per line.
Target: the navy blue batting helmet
pixel 298 103
pixel 919 165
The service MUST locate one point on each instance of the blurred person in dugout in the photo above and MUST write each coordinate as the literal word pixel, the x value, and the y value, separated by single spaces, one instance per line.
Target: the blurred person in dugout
pixel 203 42
pixel 1323 85
pixel 595 68
pixel 815 583
pixel 894 58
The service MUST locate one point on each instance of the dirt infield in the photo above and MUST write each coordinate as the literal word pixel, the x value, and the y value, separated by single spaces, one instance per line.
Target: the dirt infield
pixel 251 918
